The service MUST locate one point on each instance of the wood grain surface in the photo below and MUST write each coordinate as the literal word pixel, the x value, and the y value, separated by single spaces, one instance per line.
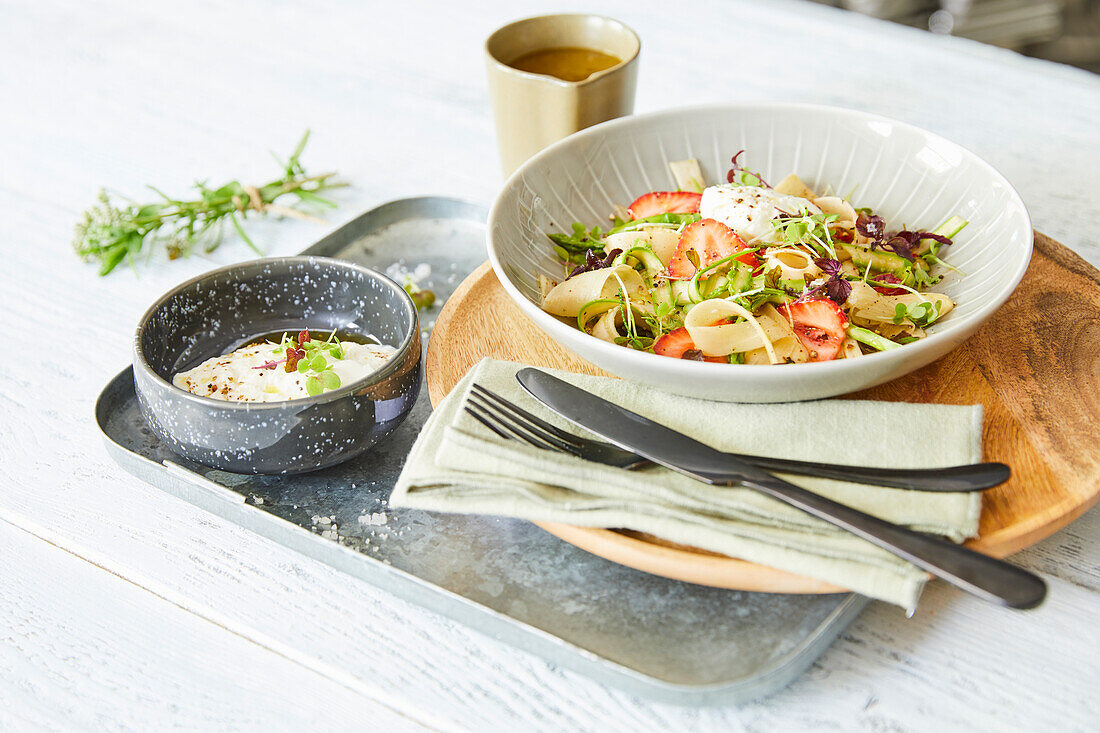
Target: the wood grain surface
pixel 1034 367
pixel 127 609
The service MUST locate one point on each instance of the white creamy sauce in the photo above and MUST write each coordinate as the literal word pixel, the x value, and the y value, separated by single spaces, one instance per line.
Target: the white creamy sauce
pixel 750 211
pixel 235 377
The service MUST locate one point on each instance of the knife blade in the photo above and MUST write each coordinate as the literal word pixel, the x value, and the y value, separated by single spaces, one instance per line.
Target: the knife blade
pixel 984 576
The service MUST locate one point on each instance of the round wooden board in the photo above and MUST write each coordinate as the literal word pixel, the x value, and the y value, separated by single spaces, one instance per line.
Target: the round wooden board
pixel 1035 367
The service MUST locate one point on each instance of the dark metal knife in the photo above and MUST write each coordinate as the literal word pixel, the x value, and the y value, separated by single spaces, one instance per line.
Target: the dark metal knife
pixel 984 576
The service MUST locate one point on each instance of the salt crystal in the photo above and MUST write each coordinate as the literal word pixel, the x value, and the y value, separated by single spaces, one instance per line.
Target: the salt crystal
pixel 399 272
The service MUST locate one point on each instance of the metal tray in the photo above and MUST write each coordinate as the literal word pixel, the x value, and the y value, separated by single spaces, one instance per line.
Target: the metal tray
pixel 657 638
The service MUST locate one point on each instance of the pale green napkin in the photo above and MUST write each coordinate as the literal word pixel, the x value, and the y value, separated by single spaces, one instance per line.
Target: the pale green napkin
pixel 457 465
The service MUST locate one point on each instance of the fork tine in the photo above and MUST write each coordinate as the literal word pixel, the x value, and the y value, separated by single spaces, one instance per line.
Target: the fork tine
pixel 523 414
pixel 514 423
pixel 499 427
pixel 486 422
pixel 517 431
pixel 529 433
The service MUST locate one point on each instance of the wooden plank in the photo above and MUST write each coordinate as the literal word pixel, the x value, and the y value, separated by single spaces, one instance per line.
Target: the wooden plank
pixel 72 647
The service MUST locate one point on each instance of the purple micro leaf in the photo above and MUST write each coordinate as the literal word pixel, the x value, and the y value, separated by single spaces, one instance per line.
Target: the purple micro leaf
pixel 838 289
pixel 901 244
pixel 872 227
pixel 592 261
pixel 831 267
pixel 935 237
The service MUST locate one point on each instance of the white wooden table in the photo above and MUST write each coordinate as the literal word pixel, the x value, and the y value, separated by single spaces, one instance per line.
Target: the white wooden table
pixel 122 608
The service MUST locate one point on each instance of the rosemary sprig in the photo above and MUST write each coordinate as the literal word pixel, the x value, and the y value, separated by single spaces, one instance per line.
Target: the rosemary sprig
pixel 112 232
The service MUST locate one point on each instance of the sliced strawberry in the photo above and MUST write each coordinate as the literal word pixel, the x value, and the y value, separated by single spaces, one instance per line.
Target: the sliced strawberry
pixel 678 345
pixel 664 202
pixel 711 241
pixel 843 235
pixel 820 325
pixel 882 278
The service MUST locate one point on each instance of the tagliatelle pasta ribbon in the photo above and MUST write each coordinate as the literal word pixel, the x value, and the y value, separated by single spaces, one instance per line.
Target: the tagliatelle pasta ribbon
pixel 793 264
pixel 836 206
pixel 568 297
pixel 662 240
pixel 866 303
pixel 714 337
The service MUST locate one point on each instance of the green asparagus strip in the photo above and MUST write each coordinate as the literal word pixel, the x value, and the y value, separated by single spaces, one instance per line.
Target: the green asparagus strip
pixel 871 338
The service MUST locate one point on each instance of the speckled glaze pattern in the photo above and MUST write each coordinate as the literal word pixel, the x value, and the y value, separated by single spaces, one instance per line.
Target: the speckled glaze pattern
pixel 221 310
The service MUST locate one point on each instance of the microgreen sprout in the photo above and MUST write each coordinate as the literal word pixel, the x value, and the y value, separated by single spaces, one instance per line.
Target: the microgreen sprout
pixel 305 355
pixel 741 175
pixel 919 314
pixel 808 229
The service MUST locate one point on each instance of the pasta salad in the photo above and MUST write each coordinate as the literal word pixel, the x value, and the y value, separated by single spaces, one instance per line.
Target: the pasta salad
pixel 748 273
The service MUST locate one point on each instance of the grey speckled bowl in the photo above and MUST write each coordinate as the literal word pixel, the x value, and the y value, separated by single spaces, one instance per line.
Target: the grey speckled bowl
pixel 221 310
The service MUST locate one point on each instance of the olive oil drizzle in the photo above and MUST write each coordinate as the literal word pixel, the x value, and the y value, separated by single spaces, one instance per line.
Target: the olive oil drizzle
pixel 568 63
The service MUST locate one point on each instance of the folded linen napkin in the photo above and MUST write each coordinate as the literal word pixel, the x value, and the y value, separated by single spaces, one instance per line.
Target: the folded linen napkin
pixel 457 465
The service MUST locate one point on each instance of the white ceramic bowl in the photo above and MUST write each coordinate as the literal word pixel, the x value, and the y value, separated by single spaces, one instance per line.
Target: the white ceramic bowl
pixel 909 176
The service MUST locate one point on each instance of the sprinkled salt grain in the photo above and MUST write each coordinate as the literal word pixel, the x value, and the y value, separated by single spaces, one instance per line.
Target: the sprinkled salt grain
pixel 368 520
pixel 399 272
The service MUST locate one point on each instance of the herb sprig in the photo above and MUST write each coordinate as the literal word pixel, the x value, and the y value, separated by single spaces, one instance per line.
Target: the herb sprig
pixel 111 232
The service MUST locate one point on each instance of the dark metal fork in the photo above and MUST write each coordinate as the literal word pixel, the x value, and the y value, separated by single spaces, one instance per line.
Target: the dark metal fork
pixel 512 422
